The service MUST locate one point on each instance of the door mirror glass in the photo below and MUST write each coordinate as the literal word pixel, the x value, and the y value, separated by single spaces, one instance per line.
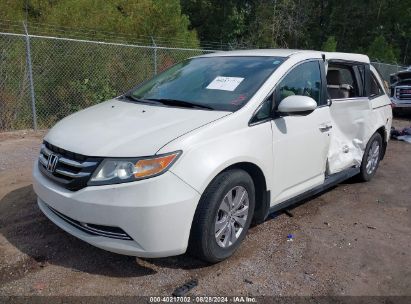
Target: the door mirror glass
pixel 297 104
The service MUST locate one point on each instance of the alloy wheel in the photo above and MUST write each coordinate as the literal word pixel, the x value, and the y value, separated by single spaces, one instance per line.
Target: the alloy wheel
pixel 373 157
pixel 231 216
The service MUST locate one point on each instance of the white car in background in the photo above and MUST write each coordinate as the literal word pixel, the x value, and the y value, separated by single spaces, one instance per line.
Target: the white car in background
pixel 188 159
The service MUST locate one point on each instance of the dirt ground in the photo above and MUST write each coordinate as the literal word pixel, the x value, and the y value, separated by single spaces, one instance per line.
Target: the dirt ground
pixel 352 240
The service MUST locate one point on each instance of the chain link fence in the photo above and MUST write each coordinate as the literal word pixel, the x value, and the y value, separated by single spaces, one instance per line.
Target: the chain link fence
pixel 71 74
pixel 15 110
pixel 387 69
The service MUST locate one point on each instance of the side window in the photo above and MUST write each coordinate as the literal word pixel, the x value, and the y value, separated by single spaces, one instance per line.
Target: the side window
pixel 305 79
pixel 263 113
pixel 345 81
pixel 375 88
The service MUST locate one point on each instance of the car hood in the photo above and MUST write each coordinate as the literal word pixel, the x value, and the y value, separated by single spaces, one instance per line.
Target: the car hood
pixel 117 128
pixel 402 77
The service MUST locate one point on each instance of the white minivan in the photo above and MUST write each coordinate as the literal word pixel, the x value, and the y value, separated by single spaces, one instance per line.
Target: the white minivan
pixel 190 158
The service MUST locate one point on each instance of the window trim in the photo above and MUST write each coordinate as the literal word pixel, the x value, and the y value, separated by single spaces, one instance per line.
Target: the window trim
pixel 325 101
pixel 351 98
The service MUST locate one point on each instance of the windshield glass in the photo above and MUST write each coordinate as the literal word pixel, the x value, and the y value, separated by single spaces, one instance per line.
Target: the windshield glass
pixel 220 83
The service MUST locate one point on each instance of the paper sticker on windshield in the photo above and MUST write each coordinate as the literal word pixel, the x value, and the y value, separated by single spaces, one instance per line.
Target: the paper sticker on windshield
pixel 225 83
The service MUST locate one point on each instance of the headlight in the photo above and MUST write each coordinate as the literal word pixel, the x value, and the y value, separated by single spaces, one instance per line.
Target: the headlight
pixel 122 170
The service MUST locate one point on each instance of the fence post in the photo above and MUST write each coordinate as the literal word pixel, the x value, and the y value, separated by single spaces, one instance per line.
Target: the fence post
pixel 155 55
pixel 30 70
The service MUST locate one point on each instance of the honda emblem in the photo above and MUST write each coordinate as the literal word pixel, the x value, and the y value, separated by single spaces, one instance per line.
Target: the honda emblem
pixel 52 163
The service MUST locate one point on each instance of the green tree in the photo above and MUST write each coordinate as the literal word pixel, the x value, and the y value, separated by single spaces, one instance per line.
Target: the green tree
pixel 330 45
pixel 303 24
pixel 381 50
pixel 71 75
pixel 217 21
pixel 235 23
pixel 135 19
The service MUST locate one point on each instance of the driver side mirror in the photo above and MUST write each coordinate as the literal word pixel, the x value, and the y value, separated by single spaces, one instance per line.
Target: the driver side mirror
pixel 297 105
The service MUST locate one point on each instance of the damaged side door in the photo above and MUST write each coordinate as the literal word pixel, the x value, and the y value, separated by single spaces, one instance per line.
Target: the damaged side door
pixel 350 111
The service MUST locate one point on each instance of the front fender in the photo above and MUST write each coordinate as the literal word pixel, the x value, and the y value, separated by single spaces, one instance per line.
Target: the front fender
pixel 204 157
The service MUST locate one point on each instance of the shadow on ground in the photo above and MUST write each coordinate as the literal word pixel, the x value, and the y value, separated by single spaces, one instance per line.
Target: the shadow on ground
pixel 403 114
pixel 26 228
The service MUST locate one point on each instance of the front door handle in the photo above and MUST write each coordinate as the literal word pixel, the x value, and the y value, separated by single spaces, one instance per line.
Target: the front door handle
pixel 325 128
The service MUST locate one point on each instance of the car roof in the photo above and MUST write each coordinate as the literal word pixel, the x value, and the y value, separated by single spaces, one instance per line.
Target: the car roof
pixel 290 53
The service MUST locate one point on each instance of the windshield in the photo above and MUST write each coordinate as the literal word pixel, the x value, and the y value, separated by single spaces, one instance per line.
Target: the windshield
pixel 220 83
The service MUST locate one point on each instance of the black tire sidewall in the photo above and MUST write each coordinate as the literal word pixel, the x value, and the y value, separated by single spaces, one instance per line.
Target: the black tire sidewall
pixel 363 173
pixel 212 197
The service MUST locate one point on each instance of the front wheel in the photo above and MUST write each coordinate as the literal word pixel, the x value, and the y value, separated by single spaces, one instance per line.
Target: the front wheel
pixel 223 216
pixel 371 158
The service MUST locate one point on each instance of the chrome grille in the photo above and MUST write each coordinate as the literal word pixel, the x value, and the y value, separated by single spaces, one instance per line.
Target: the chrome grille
pixel 403 93
pixel 66 168
pixel 99 230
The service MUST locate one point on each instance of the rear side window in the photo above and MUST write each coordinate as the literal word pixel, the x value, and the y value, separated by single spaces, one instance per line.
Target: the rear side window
pixel 375 88
pixel 305 80
pixel 345 80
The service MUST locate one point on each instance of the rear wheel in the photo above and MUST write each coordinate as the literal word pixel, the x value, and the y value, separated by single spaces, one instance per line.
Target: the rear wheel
pixel 223 216
pixel 371 158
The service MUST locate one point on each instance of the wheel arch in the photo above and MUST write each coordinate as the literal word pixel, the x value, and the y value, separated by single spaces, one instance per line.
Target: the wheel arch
pixel 384 135
pixel 262 195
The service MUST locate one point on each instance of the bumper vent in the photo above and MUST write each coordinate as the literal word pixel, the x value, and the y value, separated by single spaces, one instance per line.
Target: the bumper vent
pixel 98 230
pixel 70 170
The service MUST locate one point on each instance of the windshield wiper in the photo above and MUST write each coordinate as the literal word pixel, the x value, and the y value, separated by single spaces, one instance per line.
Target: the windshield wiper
pixel 180 103
pixel 133 98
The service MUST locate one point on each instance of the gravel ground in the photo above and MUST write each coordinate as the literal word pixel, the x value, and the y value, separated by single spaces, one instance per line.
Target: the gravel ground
pixel 352 240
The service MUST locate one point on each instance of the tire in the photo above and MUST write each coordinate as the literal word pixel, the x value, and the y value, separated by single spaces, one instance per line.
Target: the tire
pixel 371 158
pixel 213 212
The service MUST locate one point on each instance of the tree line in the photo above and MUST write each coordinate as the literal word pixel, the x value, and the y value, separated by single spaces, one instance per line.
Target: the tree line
pixel 73 74
pixel 379 28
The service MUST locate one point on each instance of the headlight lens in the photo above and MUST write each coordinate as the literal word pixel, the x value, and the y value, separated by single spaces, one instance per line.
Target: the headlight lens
pixel 121 170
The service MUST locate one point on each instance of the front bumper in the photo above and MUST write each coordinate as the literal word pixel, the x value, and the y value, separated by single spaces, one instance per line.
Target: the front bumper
pixel 400 103
pixel 156 213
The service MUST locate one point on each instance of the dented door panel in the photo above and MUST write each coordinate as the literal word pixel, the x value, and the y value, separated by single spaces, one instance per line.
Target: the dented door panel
pixel 354 122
